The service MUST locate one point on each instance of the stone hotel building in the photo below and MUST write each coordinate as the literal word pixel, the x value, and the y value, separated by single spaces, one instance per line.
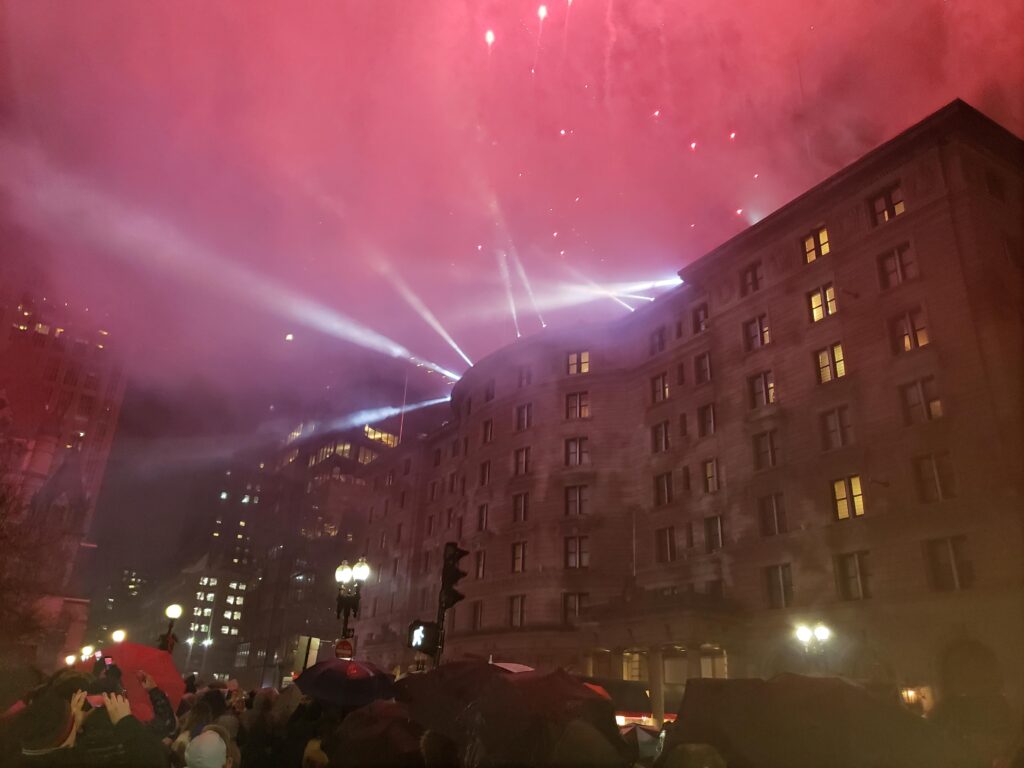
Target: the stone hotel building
pixel 820 426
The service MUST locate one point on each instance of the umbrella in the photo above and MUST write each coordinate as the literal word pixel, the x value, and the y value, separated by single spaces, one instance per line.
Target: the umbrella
pixel 380 733
pixel 510 666
pixel 803 722
pixel 437 698
pixel 133 658
pixel 348 683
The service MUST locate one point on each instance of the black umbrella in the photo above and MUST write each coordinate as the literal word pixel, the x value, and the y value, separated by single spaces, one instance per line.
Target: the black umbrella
pixel 346 683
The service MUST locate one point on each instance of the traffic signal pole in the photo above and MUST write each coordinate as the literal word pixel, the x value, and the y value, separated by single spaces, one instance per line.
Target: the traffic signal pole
pixel 448 595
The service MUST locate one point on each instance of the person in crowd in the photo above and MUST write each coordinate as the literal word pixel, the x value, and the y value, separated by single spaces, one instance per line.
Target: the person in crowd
pixel 262 737
pixel 234 754
pixel 207 750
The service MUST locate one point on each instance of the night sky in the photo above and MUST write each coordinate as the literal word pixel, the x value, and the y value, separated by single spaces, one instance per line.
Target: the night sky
pixel 214 176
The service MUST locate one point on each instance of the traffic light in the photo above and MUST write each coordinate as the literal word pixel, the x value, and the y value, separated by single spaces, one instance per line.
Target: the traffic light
pixel 451 575
pixel 424 637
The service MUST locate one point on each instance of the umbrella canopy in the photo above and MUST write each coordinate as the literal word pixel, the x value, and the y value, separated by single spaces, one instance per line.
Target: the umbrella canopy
pixel 347 683
pixel 133 658
pixel 381 733
pixel 802 722
pixel 439 697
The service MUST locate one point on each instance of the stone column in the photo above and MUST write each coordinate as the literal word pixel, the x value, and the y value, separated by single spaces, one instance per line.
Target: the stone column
pixel 656 680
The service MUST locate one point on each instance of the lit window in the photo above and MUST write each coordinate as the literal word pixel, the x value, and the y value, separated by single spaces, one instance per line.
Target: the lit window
pixel 852 576
pixel 224 629
pixel 779 581
pixel 665 544
pixel 711 480
pixel 908 331
pixel 847 499
pixel 197 611
pixel 227 614
pixel 210 596
pixel 934 475
pixel 659 388
pixel 751 279
pixel 239 600
pixel 223 495
pixel 921 401
pixel 204 581
pixel 836 430
pixel 234 630
pixel 815 244
pixel 755 333
pixel 822 302
pixel 761 388
pixel 831 364
pixel 579 362
pixel 887 205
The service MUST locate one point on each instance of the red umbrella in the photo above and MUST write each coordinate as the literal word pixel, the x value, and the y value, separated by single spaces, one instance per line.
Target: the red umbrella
pixel 348 683
pixel 133 658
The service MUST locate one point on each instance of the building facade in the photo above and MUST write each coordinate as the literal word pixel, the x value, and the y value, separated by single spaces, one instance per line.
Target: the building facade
pixel 821 426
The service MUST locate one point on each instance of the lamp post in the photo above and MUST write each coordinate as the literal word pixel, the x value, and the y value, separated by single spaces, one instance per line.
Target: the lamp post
pixel 350 580
pixel 814 639
pixel 167 641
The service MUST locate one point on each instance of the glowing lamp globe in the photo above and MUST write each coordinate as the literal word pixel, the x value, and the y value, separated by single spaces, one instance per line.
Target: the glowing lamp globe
pixel 173 611
pixel 804 634
pixel 208 642
pixel 87 651
pixel 822 633
pixel 361 571
pixel 70 660
pixel 189 640
pixel 343 574
pixel 118 635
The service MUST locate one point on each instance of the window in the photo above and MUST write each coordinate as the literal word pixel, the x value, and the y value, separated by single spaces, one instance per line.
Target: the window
pixel 577 405
pixel 525 376
pixel 488 429
pixel 822 302
pixel 706 420
pixel 751 279
pixel 683 426
pixel 517 610
pixel 755 333
pixel 573 605
pixel 485 473
pixel 852 576
pixel 908 331
pixel 934 476
pixel 700 318
pixel 897 266
pixel 711 482
pixel 766 449
pixel 477 616
pixel 452 480
pixel 577 551
pixel 702 368
pixel 831 364
pixel 520 507
pixel 847 499
pixel 815 244
pixel 519 557
pixel 524 416
pixel 657 341
pixel 713 533
pixel 665 544
pixel 437 457
pixel 761 389
pixel 887 205
pixel 836 430
pixel 663 489
pixel 522 461
pixel 481 517
pixel 430 525
pixel 579 362
pixel 489 391
pixel 480 563
pixel 779 580
pixel 659 388
pixel 433 494
pixel 577 452
pixel 921 401
pixel 948 566
pixel 449 517
pixel 577 500
pixel 772 514
pixel 660 437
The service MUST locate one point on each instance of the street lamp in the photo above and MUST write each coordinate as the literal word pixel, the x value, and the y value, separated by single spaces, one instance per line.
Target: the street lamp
pixel 813 639
pixel 350 580
pixel 117 635
pixel 70 659
pixel 167 641
pixel 87 652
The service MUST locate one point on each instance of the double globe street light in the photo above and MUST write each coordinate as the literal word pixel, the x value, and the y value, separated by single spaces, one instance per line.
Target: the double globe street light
pixel 814 640
pixel 350 579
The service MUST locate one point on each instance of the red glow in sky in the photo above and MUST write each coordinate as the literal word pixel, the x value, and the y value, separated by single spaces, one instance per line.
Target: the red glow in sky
pixel 308 143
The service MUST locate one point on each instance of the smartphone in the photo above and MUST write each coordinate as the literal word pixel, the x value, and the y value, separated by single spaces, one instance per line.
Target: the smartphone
pixel 108 660
pixel 95 701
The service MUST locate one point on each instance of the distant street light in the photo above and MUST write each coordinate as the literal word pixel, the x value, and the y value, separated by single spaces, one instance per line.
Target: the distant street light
pixel 350 580
pixel 167 641
pixel 87 651
pixel 814 639
pixel 70 659
pixel 118 635
pixel 208 642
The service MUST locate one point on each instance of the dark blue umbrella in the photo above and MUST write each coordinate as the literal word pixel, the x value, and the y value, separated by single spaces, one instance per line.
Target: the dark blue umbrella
pixel 347 683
